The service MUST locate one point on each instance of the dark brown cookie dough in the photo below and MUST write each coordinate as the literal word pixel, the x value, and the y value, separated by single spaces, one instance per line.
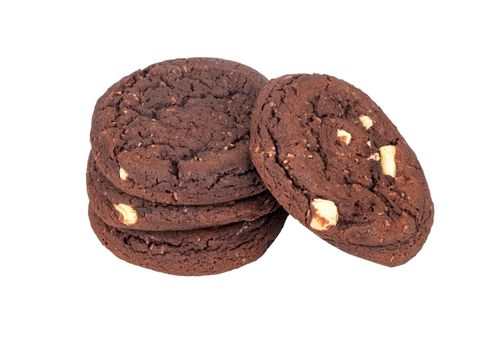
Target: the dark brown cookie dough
pixel 197 252
pixel 119 209
pixel 335 162
pixel 391 255
pixel 178 132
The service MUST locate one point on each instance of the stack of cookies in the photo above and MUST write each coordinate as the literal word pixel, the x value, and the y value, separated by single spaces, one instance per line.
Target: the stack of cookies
pixel 170 179
pixel 179 148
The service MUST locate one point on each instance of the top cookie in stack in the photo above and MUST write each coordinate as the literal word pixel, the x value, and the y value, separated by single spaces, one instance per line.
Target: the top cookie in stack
pixel 170 151
pixel 177 132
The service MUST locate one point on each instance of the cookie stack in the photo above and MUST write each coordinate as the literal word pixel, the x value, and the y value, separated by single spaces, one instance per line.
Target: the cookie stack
pixel 170 179
pixel 178 150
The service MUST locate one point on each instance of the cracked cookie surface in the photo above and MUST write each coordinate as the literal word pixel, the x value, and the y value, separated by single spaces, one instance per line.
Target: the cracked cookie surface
pixel 105 199
pixel 335 162
pixel 196 252
pixel 177 132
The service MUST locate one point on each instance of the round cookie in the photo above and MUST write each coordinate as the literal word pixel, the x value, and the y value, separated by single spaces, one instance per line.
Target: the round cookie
pixel 119 209
pixel 177 132
pixel 335 162
pixel 193 253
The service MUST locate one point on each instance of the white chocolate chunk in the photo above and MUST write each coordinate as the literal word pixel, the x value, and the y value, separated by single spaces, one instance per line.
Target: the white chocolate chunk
pixel 123 174
pixel 344 136
pixel 324 214
pixel 374 156
pixel 388 164
pixel 366 121
pixel 128 215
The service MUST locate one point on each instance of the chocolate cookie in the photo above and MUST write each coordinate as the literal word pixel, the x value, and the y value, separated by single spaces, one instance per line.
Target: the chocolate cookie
pixel 177 132
pixel 198 252
pixel 335 162
pixel 119 209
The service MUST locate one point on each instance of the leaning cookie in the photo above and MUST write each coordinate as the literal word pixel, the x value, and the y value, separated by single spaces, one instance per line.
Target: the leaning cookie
pixel 119 209
pixel 177 132
pixel 335 162
pixel 192 253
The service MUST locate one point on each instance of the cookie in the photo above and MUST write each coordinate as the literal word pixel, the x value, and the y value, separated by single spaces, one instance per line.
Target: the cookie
pixel 197 252
pixel 335 162
pixel 177 132
pixel 119 209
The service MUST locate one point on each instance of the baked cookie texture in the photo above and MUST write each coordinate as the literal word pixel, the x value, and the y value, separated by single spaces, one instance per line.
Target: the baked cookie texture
pixel 335 162
pixel 197 252
pixel 124 211
pixel 177 132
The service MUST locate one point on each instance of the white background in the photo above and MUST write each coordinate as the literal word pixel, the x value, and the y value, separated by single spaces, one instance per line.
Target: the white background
pixel 428 65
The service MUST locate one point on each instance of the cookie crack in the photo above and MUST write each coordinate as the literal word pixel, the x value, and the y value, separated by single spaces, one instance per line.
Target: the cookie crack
pixel 314 132
pixel 219 176
pixel 153 245
pixel 286 172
